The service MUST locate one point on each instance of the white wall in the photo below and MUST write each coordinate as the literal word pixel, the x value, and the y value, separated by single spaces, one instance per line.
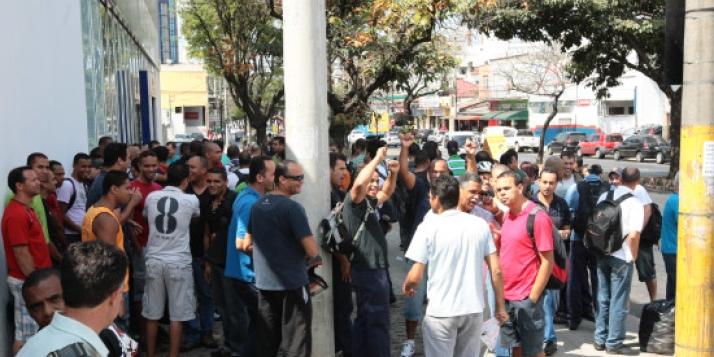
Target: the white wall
pixel 42 98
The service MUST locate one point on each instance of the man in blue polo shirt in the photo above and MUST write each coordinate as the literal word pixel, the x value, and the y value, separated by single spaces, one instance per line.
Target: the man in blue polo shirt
pixel 240 276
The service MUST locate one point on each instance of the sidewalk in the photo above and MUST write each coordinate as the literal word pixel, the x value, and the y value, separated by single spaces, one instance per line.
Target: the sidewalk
pixel 573 343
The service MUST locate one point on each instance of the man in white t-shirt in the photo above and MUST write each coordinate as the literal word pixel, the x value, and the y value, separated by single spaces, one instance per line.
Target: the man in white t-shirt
pixel 644 264
pixel 72 197
pixel 452 243
pixel 168 258
pixel 614 271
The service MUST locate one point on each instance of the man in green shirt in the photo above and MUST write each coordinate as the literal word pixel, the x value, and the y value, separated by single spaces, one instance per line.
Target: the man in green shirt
pixel 457 165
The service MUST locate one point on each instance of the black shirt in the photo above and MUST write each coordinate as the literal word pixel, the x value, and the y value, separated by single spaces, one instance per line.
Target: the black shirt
pixel 336 196
pixel 558 211
pixel 370 251
pixel 197 226
pixel 217 220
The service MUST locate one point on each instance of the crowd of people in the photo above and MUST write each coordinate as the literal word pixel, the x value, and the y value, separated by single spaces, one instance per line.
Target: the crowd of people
pixel 142 248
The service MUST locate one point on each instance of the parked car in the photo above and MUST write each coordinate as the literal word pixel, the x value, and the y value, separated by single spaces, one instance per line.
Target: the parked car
pixel 599 145
pixel 355 135
pixel 525 139
pixel 565 142
pixel 508 132
pixel 650 129
pixel 422 135
pixel 642 147
pixel 182 138
pixel 392 139
pixel 460 138
pixel 436 136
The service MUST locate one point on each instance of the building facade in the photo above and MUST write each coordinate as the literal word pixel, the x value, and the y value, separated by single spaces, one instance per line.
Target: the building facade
pixel 73 71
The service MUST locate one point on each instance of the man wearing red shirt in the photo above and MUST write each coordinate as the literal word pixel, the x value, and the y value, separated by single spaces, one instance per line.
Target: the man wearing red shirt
pixel 148 166
pixel 526 269
pixel 25 247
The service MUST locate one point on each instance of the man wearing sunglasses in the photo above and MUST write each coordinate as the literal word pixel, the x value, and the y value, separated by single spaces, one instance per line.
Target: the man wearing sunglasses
pixel 279 236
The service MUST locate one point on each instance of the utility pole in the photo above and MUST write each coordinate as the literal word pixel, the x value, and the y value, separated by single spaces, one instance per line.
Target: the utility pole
pixel 306 131
pixel 694 333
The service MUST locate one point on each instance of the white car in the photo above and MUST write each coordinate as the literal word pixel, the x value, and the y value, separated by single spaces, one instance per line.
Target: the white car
pixel 436 137
pixel 460 138
pixel 392 139
pixel 525 139
pixel 508 132
pixel 356 135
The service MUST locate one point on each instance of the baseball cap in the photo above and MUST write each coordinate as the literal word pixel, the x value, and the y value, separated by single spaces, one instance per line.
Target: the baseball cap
pixel 614 171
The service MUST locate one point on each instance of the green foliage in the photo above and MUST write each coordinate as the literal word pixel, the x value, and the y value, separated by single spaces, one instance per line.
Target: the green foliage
pixel 375 43
pixel 245 49
pixel 600 35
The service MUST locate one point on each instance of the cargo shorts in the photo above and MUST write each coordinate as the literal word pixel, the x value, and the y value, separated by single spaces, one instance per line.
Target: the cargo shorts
pixel 173 282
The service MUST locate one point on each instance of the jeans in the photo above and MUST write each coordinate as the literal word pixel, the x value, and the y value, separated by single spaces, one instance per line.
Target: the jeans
pixel 203 324
pixel 580 300
pixel 670 266
pixel 550 307
pixel 491 296
pixel 342 309
pixel 242 314
pixel 371 326
pixel 614 283
pixel 413 305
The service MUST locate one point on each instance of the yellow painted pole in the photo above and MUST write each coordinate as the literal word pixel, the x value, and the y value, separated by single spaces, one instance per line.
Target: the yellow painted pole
pixel 694 331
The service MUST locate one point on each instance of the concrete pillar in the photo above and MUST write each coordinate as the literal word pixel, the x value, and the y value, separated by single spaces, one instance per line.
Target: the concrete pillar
pixel 306 127
pixel 694 335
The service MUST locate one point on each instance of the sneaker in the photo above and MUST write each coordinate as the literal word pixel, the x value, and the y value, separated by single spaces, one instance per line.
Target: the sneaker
pixel 550 348
pixel 622 351
pixel 189 345
pixel 408 349
pixel 572 325
pixel 208 342
pixel 599 346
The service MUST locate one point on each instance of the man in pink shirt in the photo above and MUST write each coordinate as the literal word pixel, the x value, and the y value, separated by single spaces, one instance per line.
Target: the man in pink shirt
pixel 527 265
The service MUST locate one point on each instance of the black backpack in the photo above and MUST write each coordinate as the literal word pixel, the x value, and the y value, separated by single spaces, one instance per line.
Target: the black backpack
pixel 560 256
pixel 604 233
pixel 588 194
pixel 335 236
pixel 651 233
pixel 73 196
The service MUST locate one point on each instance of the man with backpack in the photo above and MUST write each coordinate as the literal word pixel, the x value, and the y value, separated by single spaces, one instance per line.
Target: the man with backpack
pixel 342 290
pixel 580 296
pixel 613 231
pixel 559 213
pixel 72 197
pixel 527 267
pixel 369 260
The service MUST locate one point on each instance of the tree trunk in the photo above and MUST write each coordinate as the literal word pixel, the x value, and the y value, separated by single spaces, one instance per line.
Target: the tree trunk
pixel 408 107
pixel 260 124
pixel 675 128
pixel 546 124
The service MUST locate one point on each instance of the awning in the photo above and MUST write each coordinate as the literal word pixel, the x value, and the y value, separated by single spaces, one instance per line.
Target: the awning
pixel 467 117
pixel 489 115
pixel 511 115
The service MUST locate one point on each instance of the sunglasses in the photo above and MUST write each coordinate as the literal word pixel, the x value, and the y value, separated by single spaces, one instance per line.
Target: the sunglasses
pixel 296 178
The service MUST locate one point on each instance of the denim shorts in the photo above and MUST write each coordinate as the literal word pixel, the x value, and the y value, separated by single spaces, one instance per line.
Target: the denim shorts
pixel 173 282
pixel 645 263
pixel 414 305
pixel 525 326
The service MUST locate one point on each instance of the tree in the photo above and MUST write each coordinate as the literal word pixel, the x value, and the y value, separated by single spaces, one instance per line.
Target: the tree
pixel 427 71
pixel 604 39
pixel 542 73
pixel 371 43
pixel 245 49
